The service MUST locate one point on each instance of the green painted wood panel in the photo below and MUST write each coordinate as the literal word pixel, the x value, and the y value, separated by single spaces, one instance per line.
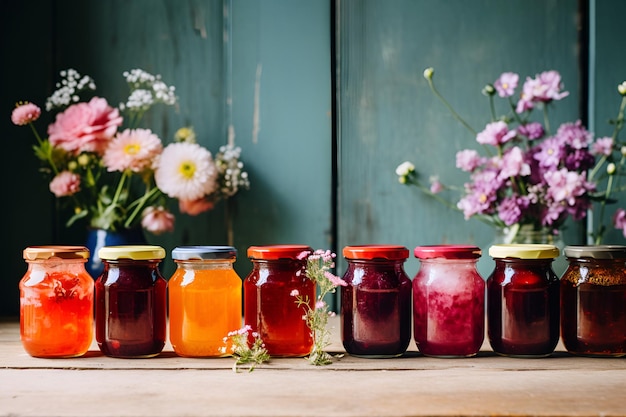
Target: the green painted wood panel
pixel 388 114
pixel 210 50
pixel 607 71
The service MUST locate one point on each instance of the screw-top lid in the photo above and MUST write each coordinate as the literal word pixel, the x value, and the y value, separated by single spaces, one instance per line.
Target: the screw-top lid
pixel 447 252
pixel 186 253
pixel 596 251
pixel 33 253
pixel 274 252
pixel 524 251
pixel 391 252
pixel 134 252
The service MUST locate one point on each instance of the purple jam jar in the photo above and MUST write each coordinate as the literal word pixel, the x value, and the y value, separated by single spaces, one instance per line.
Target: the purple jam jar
pixel 593 301
pixel 131 302
pixel 523 300
pixel 448 301
pixel 376 303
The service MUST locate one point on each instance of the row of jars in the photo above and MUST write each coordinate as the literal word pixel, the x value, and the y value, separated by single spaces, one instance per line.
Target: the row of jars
pixel 527 306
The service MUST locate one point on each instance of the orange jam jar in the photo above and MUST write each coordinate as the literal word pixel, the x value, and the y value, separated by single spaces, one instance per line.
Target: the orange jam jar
pixel 56 302
pixel 270 307
pixel 204 300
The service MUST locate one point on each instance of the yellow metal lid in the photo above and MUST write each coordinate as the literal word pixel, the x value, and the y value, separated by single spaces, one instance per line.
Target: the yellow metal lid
pixel 33 253
pixel 524 251
pixel 134 252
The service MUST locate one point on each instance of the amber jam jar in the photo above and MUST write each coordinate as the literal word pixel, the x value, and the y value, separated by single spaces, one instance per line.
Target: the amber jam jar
pixel 204 300
pixel 448 301
pixel 56 302
pixel 270 307
pixel 131 302
pixel 376 303
pixel 523 300
pixel 593 300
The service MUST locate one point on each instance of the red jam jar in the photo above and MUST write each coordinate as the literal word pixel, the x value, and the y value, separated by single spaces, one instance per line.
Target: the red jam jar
pixel 593 301
pixel 56 302
pixel 523 300
pixel 448 301
pixel 131 302
pixel 376 303
pixel 270 307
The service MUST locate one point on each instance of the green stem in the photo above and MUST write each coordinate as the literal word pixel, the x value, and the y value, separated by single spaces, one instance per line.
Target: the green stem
pixel 450 108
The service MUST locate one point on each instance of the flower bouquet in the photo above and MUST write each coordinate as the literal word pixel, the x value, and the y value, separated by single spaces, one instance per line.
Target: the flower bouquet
pixel 531 176
pixel 116 177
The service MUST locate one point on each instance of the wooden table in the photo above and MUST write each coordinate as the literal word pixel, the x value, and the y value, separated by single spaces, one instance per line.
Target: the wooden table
pixel 412 385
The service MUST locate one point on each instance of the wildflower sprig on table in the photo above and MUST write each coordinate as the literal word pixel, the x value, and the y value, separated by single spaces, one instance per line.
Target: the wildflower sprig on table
pixel 247 355
pixel 530 175
pixel 318 269
pixel 116 179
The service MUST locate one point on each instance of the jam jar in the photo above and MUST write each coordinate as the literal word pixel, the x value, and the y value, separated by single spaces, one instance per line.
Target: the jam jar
pixel 448 301
pixel 270 307
pixel 376 303
pixel 56 302
pixel 204 300
pixel 131 301
pixel 593 300
pixel 523 300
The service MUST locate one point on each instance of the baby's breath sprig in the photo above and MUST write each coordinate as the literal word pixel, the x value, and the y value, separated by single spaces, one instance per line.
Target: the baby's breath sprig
pixel 318 267
pixel 243 353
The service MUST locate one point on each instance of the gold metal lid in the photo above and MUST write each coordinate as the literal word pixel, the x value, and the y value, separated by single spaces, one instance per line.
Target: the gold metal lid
pixel 134 252
pixel 34 253
pixel 524 251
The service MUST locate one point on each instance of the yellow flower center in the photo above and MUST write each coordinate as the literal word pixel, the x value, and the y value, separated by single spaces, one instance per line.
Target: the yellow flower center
pixel 483 198
pixel 187 169
pixel 505 85
pixel 132 149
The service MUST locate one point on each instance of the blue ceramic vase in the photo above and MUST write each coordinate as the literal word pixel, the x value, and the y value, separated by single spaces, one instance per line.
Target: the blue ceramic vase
pixel 98 238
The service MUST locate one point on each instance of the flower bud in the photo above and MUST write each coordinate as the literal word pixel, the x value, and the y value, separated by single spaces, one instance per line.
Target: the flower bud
pixel 83 160
pixel 623 150
pixel 622 88
pixel 610 168
pixel 405 169
pixel 428 73
pixel 489 90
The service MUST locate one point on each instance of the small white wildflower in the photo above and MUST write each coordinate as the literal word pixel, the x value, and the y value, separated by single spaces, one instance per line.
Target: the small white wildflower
pixel 405 169
pixel 622 88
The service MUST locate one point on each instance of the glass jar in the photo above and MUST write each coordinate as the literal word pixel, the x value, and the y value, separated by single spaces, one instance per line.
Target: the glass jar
pixel 56 302
pixel 376 303
pixel 448 301
pixel 593 300
pixel 270 307
pixel 204 300
pixel 131 301
pixel 523 300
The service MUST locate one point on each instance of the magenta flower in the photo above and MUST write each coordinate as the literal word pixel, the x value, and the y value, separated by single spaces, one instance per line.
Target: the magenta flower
pixel 468 160
pixel 619 220
pixel 602 146
pixel 506 84
pixel 65 184
pixel 532 131
pixel 496 133
pixel 25 113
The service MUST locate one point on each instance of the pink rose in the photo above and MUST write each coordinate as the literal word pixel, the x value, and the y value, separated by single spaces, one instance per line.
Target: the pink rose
pixel 66 183
pixel 195 207
pixel 157 220
pixel 85 127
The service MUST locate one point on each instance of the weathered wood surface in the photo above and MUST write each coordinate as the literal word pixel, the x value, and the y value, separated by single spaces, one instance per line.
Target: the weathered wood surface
pixel 413 385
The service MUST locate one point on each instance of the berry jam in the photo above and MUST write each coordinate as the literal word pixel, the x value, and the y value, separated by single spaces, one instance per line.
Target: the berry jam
pixel 376 303
pixel 448 301
pixel 593 296
pixel 523 300
pixel 131 302
pixel 270 307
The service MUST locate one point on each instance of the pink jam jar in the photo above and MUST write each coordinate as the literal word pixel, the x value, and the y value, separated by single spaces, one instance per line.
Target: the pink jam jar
pixel 448 301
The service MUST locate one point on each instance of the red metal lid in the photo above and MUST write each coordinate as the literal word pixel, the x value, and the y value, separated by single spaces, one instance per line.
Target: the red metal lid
pixel 391 252
pixel 273 252
pixel 447 252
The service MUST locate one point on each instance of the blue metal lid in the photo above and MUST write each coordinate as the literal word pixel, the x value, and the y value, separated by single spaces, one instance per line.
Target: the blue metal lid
pixel 186 253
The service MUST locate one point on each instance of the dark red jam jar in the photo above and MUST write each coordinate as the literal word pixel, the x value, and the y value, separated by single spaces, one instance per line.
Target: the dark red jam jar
pixel 593 300
pixel 523 300
pixel 270 307
pixel 448 301
pixel 131 302
pixel 376 303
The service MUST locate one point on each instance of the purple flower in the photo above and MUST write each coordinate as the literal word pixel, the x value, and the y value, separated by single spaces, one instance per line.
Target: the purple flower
pixel 468 160
pixel 545 87
pixel 532 130
pixel 550 152
pixel 579 159
pixel 574 135
pixel 513 164
pixel 496 133
pixel 506 84
pixel 602 146
pixel 619 220
pixel 565 186
pixel 510 209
